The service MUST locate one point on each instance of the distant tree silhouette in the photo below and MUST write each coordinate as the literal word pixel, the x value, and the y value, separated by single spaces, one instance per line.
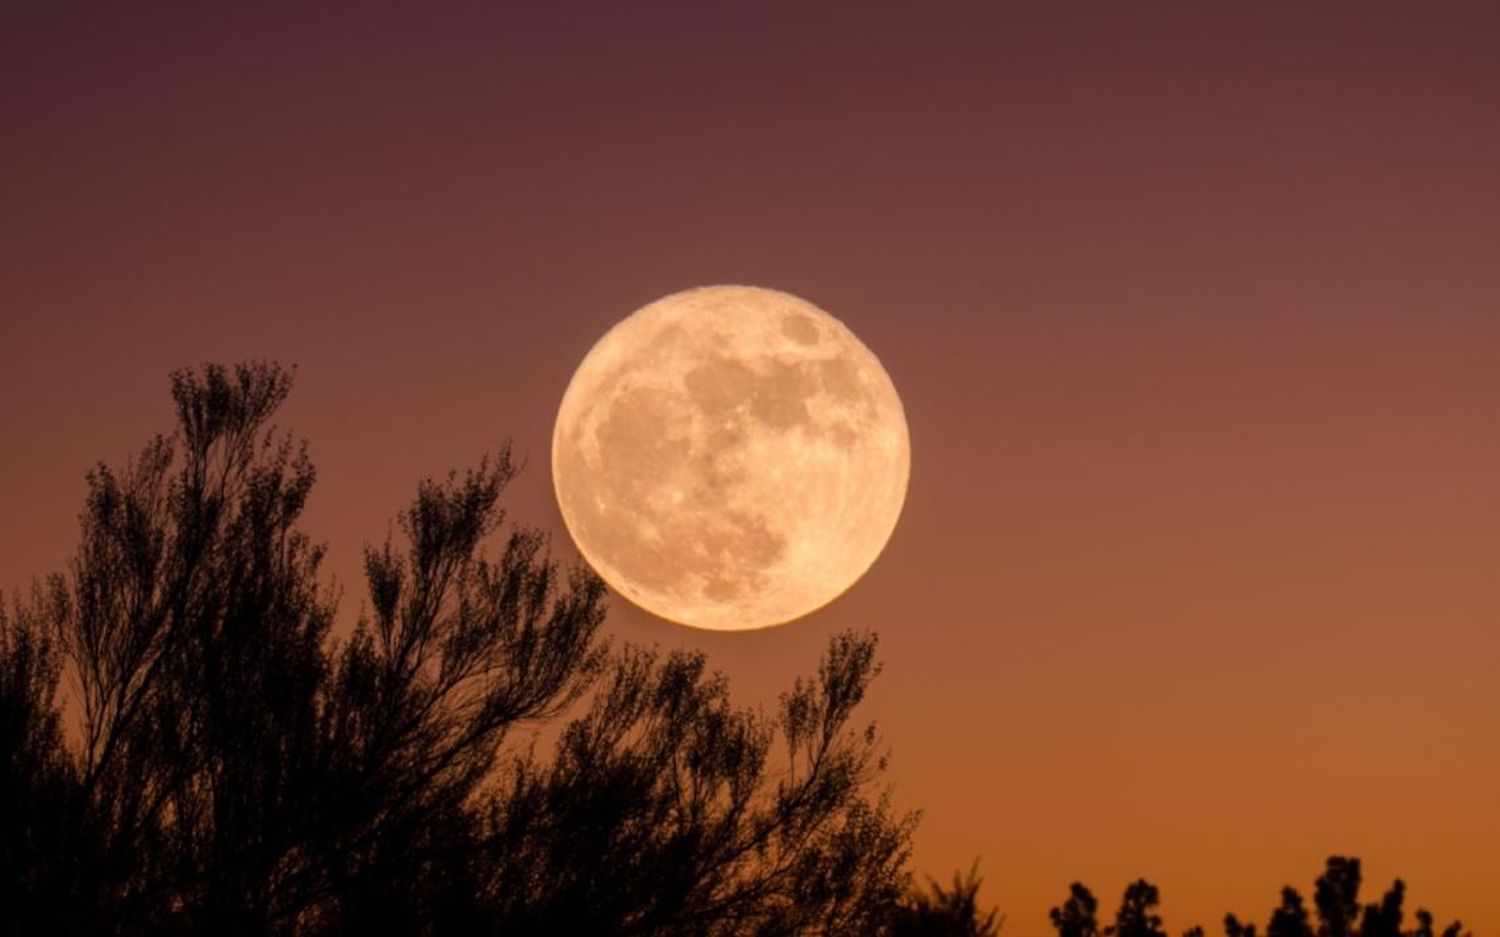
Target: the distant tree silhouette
pixel 1336 897
pixel 1290 919
pixel 1137 917
pixel 938 911
pixel 236 769
pixel 1384 919
pixel 1233 927
pixel 1078 915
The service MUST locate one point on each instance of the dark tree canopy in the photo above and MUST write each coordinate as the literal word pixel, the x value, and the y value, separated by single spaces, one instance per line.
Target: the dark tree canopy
pixel 234 767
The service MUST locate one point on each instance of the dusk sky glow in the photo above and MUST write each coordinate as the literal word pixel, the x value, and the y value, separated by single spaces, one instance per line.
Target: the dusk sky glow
pixel 1194 311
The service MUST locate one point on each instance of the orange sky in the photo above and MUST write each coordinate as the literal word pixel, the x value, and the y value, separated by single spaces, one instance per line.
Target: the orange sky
pixel 1195 313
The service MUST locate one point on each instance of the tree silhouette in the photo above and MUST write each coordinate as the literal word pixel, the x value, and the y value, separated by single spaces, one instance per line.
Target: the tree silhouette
pixel 234 768
pixel 1137 917
pixel 1336 897
pixel 224 763
pixel 37 783
pixel 1078 915
pixel 1233 927
pixel 1290 919
pixel 690 828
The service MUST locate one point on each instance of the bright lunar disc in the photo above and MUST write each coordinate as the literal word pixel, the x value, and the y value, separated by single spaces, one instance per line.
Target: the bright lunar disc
pixel 730 457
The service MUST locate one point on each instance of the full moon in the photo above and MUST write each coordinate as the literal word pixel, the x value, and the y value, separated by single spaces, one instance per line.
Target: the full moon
pixel 730 457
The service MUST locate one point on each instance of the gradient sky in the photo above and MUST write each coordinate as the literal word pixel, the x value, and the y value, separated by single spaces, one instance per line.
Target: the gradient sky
pixel 1194 308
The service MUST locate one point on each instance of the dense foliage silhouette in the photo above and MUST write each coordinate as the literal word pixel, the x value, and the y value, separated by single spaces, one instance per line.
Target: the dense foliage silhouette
pixel 231 767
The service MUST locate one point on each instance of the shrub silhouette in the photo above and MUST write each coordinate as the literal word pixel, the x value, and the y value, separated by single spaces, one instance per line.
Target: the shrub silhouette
pixel 236 769
pixel 938 911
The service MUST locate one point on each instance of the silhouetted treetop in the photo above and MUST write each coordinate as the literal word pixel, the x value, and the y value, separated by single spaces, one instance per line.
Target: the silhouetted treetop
pixel 235 768
pixel 1137 915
